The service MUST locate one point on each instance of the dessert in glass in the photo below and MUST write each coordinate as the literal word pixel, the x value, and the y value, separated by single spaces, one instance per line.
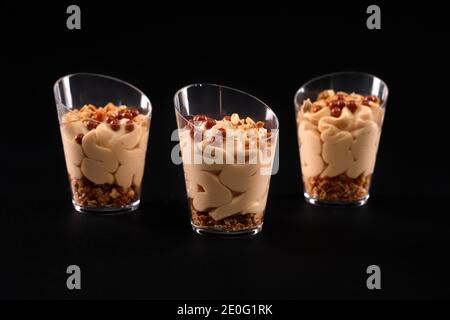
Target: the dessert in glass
pixel 228 144
pixel 104 125
pixel 339 121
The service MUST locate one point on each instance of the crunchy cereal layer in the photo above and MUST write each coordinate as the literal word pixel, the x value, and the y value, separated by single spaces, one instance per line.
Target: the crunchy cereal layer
pixel 237 222
pixel 88 194
pixel 340 188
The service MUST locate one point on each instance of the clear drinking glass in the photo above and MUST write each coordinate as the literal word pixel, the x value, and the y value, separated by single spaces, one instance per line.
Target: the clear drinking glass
pixel 339 121
pixel 104 124
pixel 227 158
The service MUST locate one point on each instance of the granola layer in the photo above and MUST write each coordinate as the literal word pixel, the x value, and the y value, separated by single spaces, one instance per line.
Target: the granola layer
pixel 339 188
pixel 89 194
pixel 237 222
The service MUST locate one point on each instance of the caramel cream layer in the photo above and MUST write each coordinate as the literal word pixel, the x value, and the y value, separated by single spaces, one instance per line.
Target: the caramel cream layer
pixel 333 145
pixel 225 189
pixel 105 155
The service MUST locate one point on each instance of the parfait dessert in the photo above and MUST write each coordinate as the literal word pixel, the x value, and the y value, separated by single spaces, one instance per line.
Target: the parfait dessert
pixel 105 151
pixel 338 134
pixel 226 196
pixel 104 124
pixel 228 158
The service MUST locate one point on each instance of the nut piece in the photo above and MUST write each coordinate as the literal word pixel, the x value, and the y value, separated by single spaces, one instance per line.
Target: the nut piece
pixel 109 107
pixel 249 121
pixel 341 95
pixel 235 119
pixel 114 194
pixel 325 94
pixel 98 115
pixel 89 108
pixel 315 108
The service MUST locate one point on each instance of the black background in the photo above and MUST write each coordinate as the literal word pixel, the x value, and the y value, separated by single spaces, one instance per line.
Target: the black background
pixel 268 50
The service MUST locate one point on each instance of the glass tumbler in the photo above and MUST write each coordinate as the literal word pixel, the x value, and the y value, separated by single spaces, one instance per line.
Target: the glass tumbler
pixel 104 125
pixel 339 120
pixel 228 145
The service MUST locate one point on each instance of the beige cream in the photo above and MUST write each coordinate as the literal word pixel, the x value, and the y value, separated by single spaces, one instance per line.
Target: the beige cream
pixel 335 145
pixel 105 155
pixel 225 189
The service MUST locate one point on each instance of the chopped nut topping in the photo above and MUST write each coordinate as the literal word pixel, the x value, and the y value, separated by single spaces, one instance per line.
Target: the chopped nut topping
pixel 202 125
pixel 338 101
pixel 315 108
pixel 249 121
pixel 93 116
pixel 326 94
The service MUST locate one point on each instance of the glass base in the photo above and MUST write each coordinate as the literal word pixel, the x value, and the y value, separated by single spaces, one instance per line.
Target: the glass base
pixel 224 233
pixel 335 203
pixel 106 210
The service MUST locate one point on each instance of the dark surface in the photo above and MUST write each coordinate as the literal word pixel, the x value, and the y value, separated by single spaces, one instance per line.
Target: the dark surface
pixel 303 251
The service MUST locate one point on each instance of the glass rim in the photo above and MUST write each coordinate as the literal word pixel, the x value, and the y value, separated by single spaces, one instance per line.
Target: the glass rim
pixel 338 73
pixel 99 75
pixel 200 84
